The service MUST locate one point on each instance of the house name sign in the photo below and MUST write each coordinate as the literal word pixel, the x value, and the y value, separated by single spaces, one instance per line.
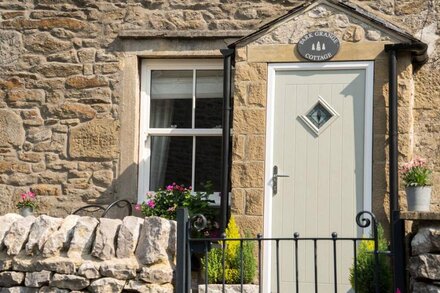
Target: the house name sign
pixel 318 46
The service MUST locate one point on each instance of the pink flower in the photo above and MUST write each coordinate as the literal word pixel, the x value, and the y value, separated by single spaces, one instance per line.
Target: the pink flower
pixel 137 207
pixel 171 209
pixel 170 187
pixel 23 196
pixel 31 194
pixel 151 204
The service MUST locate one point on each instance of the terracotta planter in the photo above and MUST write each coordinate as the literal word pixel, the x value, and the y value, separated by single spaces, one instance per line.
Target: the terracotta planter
pixel 26 211
pixel 233 288
pixel 418 198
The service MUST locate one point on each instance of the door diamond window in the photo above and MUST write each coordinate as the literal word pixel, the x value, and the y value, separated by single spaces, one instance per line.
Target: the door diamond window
pixel 320 116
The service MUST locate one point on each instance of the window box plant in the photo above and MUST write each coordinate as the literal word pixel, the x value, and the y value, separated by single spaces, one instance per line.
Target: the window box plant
pixel 27 203
pixel 416 176
pixel 239 265
pixel 165 201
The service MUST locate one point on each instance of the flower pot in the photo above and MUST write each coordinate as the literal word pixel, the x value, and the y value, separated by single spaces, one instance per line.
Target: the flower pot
pixel 418 198
pixel 233 288
pixel 26 211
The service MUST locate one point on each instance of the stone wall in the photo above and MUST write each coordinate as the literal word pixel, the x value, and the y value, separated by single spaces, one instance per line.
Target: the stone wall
pixel 424 264
pixel 68 82
pixel 80 254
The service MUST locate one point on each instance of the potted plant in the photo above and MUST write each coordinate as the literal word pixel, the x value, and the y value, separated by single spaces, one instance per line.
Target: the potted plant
pixel 27 203
pixel 416 176
pixel 237 264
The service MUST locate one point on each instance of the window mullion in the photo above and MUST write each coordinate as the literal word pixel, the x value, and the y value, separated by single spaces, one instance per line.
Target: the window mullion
pixel 193 167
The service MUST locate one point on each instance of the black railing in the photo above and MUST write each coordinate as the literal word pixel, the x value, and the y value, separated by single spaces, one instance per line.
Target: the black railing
pixel 186 246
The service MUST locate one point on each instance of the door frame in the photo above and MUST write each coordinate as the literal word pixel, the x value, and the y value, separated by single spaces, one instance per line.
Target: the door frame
pixel 368 66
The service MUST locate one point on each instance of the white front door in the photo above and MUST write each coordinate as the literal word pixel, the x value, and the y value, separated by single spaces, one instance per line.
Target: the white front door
pixel 319 134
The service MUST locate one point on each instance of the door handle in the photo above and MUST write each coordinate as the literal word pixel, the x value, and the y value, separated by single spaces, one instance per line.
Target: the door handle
pixel 275 179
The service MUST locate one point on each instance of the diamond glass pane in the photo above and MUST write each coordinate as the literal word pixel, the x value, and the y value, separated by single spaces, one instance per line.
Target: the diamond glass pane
pixel 319 115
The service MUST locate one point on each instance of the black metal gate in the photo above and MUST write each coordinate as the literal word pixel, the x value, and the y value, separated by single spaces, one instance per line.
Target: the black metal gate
pixel 186 246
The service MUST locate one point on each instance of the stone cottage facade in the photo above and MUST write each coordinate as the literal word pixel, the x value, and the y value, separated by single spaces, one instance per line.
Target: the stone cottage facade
pixel 74 75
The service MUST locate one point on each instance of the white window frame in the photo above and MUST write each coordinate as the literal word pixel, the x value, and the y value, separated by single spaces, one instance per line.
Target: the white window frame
pixel 145 132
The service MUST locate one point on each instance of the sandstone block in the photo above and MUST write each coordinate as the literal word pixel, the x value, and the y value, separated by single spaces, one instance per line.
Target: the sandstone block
pixel 46 189
pixel 19 97
pixel 59 239
pixel 8 167
pixel 89 270
pixel 22 179
pixel 71 111
pixel 354 33
pixel 59 265
pixel 104 246
pixel 103 177
pixel 128 236
pixel 9 279
pixel 37 279
pixel 250 72
pixel 12 47
pixel 100 95
pixel 87 55
pixel 425 266
pixel 119 269
pixel 65 57
pixel 30 157
pixel 82 239
pixel 107 68
pixel 11 129
pixel 254 202
pixel 71 282
pixel 47 24
pixel 50 177
pixel 155 241
pixel 82 82
pixel 32 117
pixel 248 175
pixel 46 44
pixel 17 235
pixel 43 227
pixel 106 285
pixel 157 274
pixel 37 134
pixel 249 121
pixel 96 139
pixel 55 69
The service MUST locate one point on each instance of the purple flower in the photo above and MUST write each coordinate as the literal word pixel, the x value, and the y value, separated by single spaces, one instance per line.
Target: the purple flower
pixel 151 204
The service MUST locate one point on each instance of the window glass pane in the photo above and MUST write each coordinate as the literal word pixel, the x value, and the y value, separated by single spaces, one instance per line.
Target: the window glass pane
pixel 171 98
pixel 209 98
pixel 171 161
pixel 208 162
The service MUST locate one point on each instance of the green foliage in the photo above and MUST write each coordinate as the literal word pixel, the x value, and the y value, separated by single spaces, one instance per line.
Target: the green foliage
pixel 415 173
pixel 365 266
pixel 164 202
pixel 233 261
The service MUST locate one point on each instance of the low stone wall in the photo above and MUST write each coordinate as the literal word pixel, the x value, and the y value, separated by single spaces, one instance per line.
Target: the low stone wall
pixel 424 264
pixel 80 254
